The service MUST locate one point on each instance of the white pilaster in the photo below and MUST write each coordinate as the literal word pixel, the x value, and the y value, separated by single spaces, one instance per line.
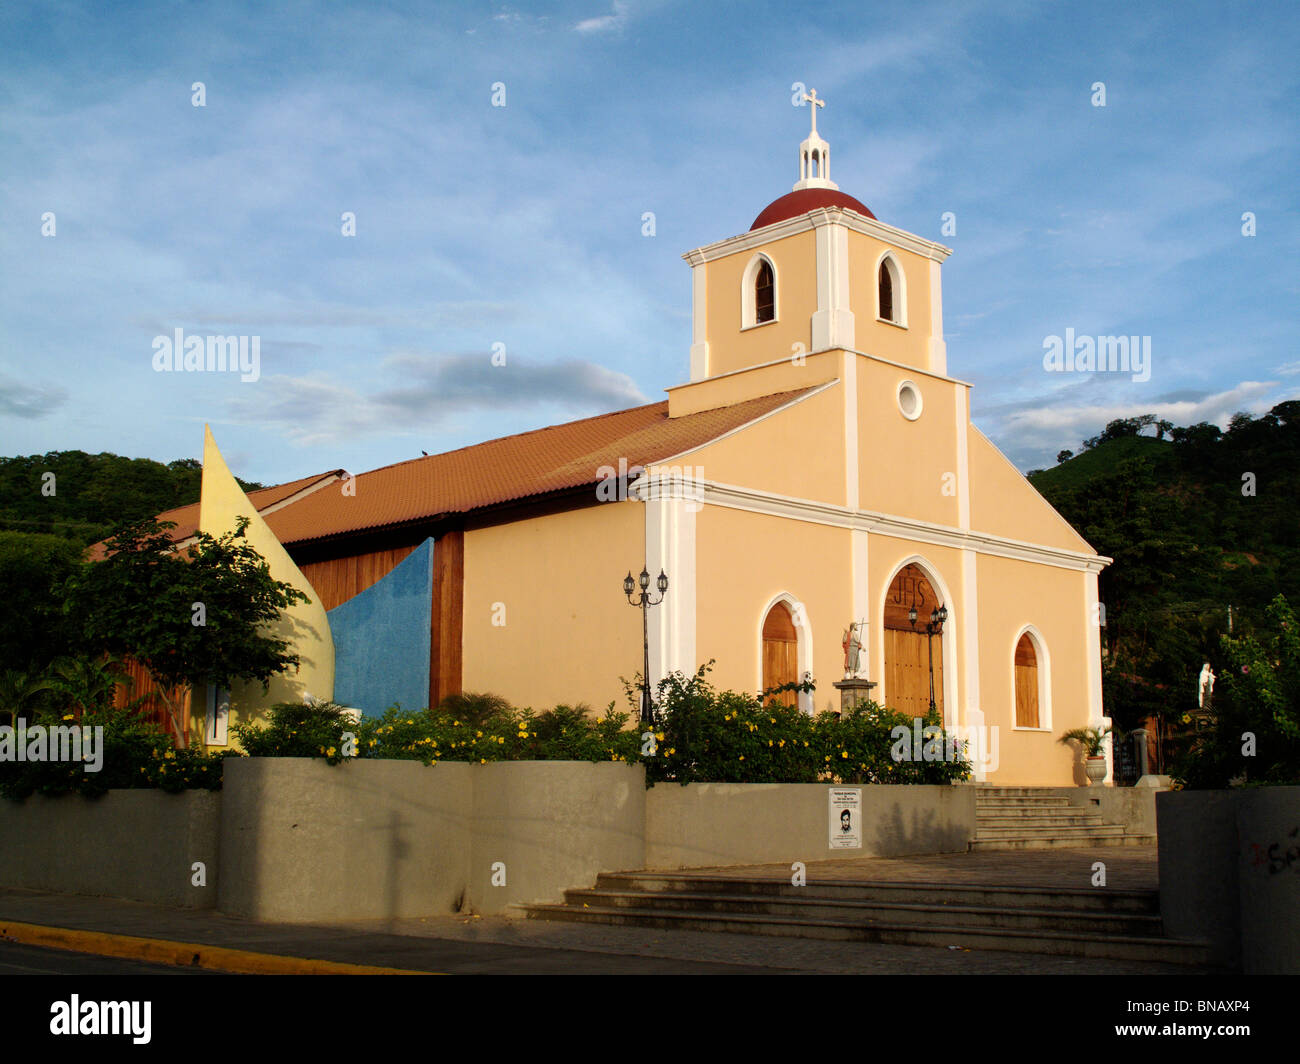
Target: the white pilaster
pixel 1092 648
pixel 699 326
pixel 832 323
pixel 938 349
pixel 670 509
pixel 968 625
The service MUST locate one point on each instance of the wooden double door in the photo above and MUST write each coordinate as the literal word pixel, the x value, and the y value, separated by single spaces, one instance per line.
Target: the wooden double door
pixel 909 651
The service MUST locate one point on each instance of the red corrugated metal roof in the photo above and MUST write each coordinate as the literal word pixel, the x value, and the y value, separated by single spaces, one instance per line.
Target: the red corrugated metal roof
pixel 513 467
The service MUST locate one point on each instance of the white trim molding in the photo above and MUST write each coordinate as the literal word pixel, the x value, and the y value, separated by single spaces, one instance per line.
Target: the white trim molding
pixel 803 644
pixel 858 223
pixel 825 513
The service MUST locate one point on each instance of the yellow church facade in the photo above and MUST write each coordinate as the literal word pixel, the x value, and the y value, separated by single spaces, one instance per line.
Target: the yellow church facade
pixel 865 488
pixel 815 486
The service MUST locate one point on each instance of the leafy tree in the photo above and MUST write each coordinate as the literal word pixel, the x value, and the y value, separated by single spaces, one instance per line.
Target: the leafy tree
pixel 1253 727
pixel 33 570
pixel 139 602
pixel 1063 456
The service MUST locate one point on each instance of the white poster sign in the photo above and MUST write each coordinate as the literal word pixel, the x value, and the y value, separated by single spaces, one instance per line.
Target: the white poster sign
pixel 218 716
pixel 845 818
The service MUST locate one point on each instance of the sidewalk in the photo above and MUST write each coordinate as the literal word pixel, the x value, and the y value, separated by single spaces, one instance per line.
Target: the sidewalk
pixel 490 945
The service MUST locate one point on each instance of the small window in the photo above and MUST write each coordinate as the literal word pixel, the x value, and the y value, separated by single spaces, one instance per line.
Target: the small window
pixel 764 294
pixel 887 292
pixel 1026 683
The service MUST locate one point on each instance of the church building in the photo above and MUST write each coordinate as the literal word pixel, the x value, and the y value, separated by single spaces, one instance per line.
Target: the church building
pixel 817 470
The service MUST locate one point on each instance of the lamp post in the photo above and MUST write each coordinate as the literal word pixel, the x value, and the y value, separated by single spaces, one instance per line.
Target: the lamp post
pixel 644 601
pixel 932 628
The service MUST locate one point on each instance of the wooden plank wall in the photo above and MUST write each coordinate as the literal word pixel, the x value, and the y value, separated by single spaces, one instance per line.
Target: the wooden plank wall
pixel 142 683
pixel 447 622
pixel 338 579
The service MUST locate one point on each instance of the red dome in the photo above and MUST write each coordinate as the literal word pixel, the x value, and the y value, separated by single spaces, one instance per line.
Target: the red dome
pixel 793 204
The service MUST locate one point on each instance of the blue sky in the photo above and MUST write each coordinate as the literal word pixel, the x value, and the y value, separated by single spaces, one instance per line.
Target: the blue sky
pixel 521 224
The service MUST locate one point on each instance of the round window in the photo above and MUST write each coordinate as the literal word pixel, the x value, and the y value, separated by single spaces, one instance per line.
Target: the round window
pixel 909 400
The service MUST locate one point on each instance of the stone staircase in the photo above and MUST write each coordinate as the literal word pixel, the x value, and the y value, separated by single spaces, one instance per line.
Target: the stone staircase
pixel 1029 818
pixel 1104 922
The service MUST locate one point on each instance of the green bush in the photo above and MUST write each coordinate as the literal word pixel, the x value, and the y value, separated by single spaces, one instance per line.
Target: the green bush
pixel 299 729
pixel 724 737
pixel 133 754
pixel 496 732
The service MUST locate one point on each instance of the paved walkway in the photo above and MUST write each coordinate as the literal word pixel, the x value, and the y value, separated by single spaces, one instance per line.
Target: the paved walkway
pixel 468 944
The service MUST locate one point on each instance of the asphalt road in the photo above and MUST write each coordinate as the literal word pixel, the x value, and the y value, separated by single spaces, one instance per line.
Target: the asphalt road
pixel 16 959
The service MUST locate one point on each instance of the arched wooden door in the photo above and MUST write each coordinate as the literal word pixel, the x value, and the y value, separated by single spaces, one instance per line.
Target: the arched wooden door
pixel 908 648
pixel 780 652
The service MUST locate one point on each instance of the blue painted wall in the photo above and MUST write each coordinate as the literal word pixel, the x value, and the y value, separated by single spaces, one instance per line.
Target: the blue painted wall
pixel 382 638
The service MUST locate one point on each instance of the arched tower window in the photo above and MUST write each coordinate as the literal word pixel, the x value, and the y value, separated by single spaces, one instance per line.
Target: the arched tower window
pixel 886 291
pixel 764 294
pixel 758 292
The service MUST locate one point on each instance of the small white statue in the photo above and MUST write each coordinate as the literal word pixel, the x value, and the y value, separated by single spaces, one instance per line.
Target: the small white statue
pixel 1205 688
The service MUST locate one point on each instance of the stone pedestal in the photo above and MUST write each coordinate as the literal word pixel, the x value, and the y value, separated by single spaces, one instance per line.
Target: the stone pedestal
pixel 854 691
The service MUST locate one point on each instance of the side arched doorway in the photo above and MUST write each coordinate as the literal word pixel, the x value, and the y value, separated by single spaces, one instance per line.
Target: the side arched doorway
pixel 780 651
pixel 911 651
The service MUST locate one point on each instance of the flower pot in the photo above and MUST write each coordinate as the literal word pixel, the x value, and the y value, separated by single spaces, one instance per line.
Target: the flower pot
pixel 1096 769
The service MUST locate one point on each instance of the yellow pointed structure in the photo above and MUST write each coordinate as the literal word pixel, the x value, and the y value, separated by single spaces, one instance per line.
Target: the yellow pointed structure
pixel 304 625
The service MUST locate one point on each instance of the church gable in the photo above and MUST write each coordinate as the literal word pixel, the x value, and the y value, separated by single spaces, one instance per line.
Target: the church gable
pixel 1004 503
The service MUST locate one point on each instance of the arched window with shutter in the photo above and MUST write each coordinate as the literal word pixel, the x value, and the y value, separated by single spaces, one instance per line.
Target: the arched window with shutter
pixel 1026 666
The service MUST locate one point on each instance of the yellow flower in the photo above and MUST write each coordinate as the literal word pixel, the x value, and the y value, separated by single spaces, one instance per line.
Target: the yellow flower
pixel 673 750
pixel 772 719
pixel 479 734
pixel 781 743
pixel 329 752
pixel 769 742
pixel 659 736
pixel 727 717
pixel 501 739
pixel 68 716
pixel 170 755
pixel 482 760
pixel 742 757
pixel 827 757
pixel 844 753
pixel 455 724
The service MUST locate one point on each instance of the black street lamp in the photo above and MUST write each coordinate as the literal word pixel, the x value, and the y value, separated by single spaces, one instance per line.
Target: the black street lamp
pixel 932 628
pixel 644 601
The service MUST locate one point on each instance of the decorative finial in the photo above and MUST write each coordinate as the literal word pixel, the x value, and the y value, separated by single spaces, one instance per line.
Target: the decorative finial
pixel 813 104
pixel 814 153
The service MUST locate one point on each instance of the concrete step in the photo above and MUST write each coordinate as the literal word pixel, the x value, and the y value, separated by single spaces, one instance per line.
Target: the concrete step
pixel 1025 841
pixel 933 895
pixel 982 804
pixel 1071 943
pixel 1034 827
pixel 1032 831
pixel 876 913
pixel 1046 820
pixel 1020 799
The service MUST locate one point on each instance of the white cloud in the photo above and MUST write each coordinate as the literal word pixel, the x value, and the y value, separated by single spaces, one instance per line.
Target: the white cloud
pixel 424 392
pixel 612 22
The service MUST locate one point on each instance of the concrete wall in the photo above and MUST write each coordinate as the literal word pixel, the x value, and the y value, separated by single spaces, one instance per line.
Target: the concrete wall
pixel 705 824
pixel 140 845
pixel 553 824
pixel 1134 807
pixel 302 840
pixel 299 840
pixel 305 841
pixel 1225 876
